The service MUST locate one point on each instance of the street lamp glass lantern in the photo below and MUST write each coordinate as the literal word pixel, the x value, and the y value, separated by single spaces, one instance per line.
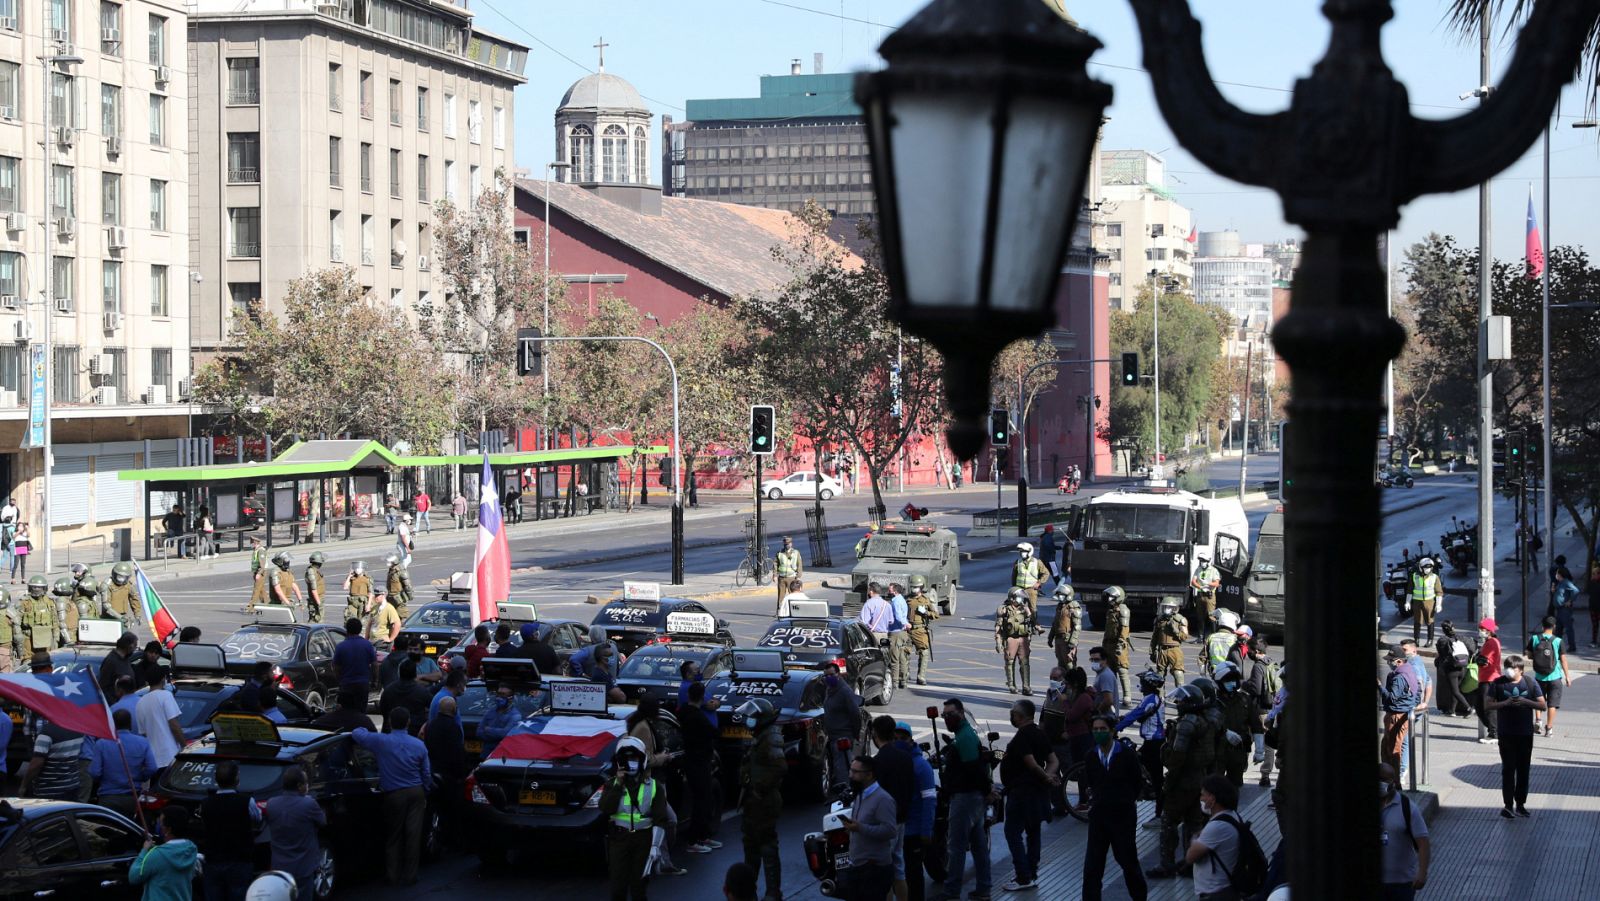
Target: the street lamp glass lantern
pixel 980 129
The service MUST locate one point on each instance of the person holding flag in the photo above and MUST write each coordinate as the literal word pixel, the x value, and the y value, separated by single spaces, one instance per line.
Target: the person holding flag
pixel 491 563
pixel 73 708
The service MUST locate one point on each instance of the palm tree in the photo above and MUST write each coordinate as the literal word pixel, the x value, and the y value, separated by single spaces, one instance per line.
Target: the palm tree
pixel 1466 17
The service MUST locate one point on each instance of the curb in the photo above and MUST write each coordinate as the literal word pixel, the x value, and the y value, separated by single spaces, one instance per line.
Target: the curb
pixel 1425 801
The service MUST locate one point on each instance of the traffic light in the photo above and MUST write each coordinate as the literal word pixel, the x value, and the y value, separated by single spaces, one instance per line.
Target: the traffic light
pixel 762 424
pixel 1000 427
pixel 530 351
pixel 1130 369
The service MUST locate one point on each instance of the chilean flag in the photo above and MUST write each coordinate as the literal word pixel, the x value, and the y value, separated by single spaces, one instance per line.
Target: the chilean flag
pixel 491 564
pixel 70 700
pixel 555 737
pixel 1535 252
pixel 1194 234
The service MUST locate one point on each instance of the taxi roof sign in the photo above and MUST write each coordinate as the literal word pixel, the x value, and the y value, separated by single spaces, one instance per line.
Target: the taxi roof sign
pixel 578 697
pixel 808 609
pixel 244 728
pixel 510 670
pixel 691 622
pixel 517 613
pixel 641 591
pixel 99 631
pixel 461 581
pixel 275 615
pixel 199 658
pixel 757 663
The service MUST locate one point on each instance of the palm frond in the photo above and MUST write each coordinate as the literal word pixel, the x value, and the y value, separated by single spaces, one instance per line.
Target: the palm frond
pixel 1465 17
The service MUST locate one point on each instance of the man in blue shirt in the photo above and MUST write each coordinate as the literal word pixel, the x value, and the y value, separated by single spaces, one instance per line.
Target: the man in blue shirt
pixel 404 777
pixel 1424 686
pixel 1562 594
pixel 599 668
pixel 455 685
pixel 876 614
pixel 1547 651
pixel 105 766
pixel 127 698
pixel 354 657
pixel 899 636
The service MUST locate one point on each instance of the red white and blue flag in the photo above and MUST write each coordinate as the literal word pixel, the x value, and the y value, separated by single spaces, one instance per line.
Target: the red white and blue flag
pixel 70 700
pixel 162 623
pixel 491 564
pixel 556 737
pixel 1535 252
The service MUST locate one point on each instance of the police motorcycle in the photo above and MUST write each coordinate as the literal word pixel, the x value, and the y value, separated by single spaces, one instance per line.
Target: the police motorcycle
pixel 1395 477
pixel 1460 546
pixel 1397 577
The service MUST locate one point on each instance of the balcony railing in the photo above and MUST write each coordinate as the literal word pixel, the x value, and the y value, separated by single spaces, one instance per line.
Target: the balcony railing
pixel 243 175
pixel 244 96
pixel 247 250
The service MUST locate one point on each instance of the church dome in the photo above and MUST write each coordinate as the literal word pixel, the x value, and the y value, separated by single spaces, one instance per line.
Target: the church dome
pixel 602 91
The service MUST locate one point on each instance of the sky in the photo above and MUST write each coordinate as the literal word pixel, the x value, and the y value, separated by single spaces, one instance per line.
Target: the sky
pixel 705 49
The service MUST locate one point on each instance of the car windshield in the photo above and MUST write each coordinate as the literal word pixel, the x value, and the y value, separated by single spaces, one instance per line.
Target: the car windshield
pixel 1269 554
pixel 451 617
pixel 199 774
pixel 654 666
pixel 474 702
pixel 1113 522
pixel 917 547
pixel 257 644
pixel 803 636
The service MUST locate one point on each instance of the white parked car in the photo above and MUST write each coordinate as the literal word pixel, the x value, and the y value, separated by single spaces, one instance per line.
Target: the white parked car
pixel 802 484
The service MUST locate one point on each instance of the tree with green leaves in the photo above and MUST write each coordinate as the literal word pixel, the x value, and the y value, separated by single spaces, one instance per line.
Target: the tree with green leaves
pixel 1191 342
pixel 335 362
pixel 719 378
pixel 1021 371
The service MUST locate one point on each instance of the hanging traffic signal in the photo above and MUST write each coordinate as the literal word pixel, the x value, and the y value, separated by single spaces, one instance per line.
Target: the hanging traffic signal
pixel 530 352
pixel 1000 428
pixel 1130 369
pixel 762 429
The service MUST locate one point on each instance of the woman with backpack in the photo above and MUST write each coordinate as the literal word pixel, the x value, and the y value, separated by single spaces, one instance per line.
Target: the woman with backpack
pixel 1452 654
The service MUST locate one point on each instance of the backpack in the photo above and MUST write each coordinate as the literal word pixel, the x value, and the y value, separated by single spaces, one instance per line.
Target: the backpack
pixel 1543 654
pixel 1405 810
pixel 1272 681
pixel 1249 871
pixel 1458 650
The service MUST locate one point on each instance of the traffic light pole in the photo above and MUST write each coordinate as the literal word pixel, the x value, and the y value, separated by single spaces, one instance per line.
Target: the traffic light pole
pixel 677 462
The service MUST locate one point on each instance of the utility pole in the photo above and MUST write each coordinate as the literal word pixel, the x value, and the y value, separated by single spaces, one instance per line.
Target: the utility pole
pixel 1244 439
pixel 1485 371
pixel 1547 498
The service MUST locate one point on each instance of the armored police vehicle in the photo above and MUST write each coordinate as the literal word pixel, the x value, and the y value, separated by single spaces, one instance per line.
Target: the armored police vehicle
pixel 1149 541
pixel 898 551
pixel 1265 581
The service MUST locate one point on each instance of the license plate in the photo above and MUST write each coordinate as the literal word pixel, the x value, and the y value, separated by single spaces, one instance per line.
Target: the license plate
pixel 536 797
pixel 735 732
pixel 473 746
pixel 431 650
pixel 789 666
pixel 16 718
pixel 1460 541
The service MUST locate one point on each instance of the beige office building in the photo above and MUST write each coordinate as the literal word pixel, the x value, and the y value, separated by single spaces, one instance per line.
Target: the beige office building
pixel 324 133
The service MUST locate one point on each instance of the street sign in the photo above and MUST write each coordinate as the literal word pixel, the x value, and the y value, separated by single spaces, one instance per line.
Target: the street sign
pixel 641 591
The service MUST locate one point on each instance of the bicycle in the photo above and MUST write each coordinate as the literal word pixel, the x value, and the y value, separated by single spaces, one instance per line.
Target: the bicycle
pixel 1078 805
pixel 751 569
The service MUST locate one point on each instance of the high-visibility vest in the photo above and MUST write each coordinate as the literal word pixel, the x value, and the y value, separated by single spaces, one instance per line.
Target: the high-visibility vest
pixel 1217 647
pixel 1026 573
pixel 635 817
pixel 1425 587
pixel 788 562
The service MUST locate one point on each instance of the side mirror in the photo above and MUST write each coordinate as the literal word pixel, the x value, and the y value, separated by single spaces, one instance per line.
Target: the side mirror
pixel 993 737
pixel 924 746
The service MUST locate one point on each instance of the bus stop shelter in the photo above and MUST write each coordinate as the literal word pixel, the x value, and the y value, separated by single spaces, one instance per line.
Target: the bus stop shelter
pixel 590 475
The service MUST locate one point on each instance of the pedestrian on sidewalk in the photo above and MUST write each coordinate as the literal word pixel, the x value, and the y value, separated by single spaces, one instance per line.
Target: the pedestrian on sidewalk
pixel 1515 698
pixel 1488 660
pixel 1406 848
pixel 21 547
pixel 872 836
pixel 1113 775
pixel 423 504
pixel 1451 657
pixel 1397 694
pixel 1028 771
pixel 391 512
pixel 1215 852
pixel 1563 595
pixel 787 569
pixel 1547 651
pixel 971 789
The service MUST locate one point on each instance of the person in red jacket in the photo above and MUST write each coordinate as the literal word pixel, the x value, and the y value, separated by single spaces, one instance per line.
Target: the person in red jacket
pixel 422 504
pixel 1488 671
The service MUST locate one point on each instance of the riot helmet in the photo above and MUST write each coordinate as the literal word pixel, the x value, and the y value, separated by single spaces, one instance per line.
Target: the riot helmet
pixel 38 587
pixel 1167 607
pixel 1187 699
pixel 1016 596
pixel 392 559
pixel 78 570
pixel 5 599
pixel 1151 681
pixel 1227 619
pixel 1206 687
pixel 358 568
pixel 63 588
pixel 281 560
pixel 89 585
pixel 121 573
pixel 917 584
pixel 1227 677
pixel 755 713
pixel 1114 594
pixel 317 558
pixel 1065 593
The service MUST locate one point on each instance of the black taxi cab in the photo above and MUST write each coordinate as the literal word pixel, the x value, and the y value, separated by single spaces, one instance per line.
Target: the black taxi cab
pixel 632 623
pixel 796 694
pixel 439 626
pixel 810 639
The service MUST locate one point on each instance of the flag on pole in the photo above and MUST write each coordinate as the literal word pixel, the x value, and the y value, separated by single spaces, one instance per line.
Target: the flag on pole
pixel 162 623
pixel 1194 234
pixel 1535 245
pixel 491 564
pixel 71 700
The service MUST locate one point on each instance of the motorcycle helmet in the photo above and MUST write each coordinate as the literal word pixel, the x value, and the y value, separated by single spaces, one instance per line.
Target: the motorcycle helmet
pixel 317 558
pixel 273 885
pixel 1187 699
pixel 1151 681
pixel 1065 593
pixel 121 573
pixel 1207 688
pixel 1227 677
pixel 1227 619
pixel 755 713
pixel 1425 564
pixel 281 560
pixel 63 588
pixel 38 587
pixel 1026 548
pixel 1114 594
pixel 630 748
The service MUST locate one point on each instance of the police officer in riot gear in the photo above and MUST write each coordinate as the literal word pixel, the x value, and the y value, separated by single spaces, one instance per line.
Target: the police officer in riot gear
pixel 1238 710
pixel 283 586
pixel 1013 635
pixel 923 610
pixel 119 599
pixel 358 587
pixel 12 635
pixel 39 617
pixel 1114 643
pixel 1067 626
pixel 761 775
pixel 1214 718
pixel 70 610
pixel 316 587
pixel 1028 573
pixel 399 584
pixel 1166 641
pixel 1188 754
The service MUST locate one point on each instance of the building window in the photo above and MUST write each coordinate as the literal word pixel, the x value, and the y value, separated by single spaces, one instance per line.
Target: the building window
pixel 424 246
pixel 10 75
pixel 159 291
pixel 8 15
pixel 110 198
pixel 641 157
pixel 580 153
pixel 500 128
pixel 1114 229
pixel 111 286
pixel 61 106
pixel 366 167
pixel 10 184
pixel 244 231
pixel 397 298
pixel 449 115
pixel 474 182
pixel 65 376
pixel 422 108
pixel 422 178
pixel 63 199
pixel 61 283
pixel 394 173
pixel 111 28
pixel 335 87
pixel 158 120
pixel 366 95
pixel 158 41
pixel 244 158
pixel 1115 278
pixel 336 236
pixel 613 154
pixel 475 121
pixel 245 300
pixel 244 81
pixel 161 369
pixel 10 278
pixel 115 375
pixel 58 18
pixel 335 162
pixel 110 110
pixel 397 243
pixel 158 205
pixel 394 101
pixel 366 240
pixel 451 192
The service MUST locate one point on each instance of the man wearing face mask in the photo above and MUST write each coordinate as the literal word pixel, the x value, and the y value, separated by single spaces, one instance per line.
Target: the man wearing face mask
pixel 871 825
pixel 1514 698
pixel 633 805
pixel 1028 771
pixel 1114 780
pixel 1238 710
pixel 971 787
pixel 841 718
pixel 761 776
pixel 499 719
pixel 1027 574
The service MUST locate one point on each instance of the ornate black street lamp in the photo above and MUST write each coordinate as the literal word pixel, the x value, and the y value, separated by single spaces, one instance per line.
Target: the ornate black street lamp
pixel 981 129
